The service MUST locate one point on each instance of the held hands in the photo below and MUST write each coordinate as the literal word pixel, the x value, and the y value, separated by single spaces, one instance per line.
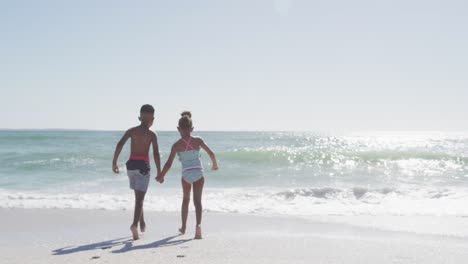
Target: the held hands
pixel 160 178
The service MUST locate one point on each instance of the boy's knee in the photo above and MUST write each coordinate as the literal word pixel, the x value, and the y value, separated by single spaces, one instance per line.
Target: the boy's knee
pixel 186 200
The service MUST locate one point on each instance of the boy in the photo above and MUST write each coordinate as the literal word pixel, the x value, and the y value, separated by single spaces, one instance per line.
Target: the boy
pixel 138 167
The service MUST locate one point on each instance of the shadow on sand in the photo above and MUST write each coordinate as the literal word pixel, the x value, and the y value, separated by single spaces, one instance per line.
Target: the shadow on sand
pixel 166 242
pixel 126 242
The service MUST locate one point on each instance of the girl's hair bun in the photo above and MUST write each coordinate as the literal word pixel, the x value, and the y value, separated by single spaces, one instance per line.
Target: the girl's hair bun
pixel 185 122
pixel 186 113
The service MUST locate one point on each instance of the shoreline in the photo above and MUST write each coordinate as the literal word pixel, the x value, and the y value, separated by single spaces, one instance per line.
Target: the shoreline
pixel 100 236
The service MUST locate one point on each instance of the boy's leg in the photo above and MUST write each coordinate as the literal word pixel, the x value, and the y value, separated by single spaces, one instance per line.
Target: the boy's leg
pixel 197 197
pixel 139 198
pixel 142 221
pixel 185 204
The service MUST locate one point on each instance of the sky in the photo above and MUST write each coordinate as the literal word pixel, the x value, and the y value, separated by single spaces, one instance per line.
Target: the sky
pixel 237 65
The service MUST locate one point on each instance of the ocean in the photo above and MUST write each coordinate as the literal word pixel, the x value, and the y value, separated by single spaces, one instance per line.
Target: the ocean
pixel 286 173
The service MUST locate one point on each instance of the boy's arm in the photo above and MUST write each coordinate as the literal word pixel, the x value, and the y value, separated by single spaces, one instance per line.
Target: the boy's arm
pixel 210 153
pixel 157 158
pixel 168 165
pixel 118 149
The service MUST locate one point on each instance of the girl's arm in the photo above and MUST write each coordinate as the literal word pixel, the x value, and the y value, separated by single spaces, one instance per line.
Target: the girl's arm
pixel 168 165
pixel 210 153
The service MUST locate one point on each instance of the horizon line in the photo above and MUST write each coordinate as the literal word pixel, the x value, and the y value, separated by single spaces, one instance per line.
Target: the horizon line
pixel 303 131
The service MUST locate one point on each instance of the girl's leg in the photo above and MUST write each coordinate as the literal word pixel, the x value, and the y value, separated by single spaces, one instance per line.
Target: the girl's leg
pixel 197 197
pixel 186 187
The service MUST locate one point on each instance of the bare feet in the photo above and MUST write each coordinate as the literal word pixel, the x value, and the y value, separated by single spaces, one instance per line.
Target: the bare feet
pixel 143 227
pixel 198 233
pixel 182 230
pixel 134 232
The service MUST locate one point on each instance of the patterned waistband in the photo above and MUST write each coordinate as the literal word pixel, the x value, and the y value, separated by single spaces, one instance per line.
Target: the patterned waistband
pixel 140 158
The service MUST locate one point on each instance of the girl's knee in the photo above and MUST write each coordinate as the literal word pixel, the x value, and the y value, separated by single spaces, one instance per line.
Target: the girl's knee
pixel 186 200
pixel 198 204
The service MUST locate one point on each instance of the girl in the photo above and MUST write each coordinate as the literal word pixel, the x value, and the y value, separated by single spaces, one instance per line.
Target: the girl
pixel 188 150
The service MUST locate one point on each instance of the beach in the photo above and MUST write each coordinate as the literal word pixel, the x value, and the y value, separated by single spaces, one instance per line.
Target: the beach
pixel 101 236
pixel 315 132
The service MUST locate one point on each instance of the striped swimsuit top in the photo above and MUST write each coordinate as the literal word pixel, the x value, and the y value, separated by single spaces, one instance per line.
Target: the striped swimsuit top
pixel 190 157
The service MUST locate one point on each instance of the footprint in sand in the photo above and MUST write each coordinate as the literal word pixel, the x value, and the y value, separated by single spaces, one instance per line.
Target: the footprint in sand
pixel 180 256
pixel 95 257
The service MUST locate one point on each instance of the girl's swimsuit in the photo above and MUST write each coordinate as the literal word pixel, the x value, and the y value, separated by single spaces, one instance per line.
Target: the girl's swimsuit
pixel 192 169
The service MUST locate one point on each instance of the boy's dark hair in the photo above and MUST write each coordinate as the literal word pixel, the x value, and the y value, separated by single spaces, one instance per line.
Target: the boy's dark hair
pixel 147 108
pixel 185 122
